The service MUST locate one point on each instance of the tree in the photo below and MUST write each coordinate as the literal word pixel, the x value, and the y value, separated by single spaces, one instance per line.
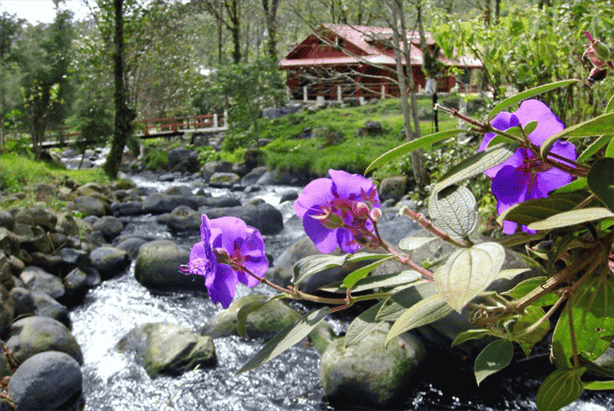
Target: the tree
pixel 124 115
pixel 10 28
pixel 270 14
pixel 232 22
pixel 44 54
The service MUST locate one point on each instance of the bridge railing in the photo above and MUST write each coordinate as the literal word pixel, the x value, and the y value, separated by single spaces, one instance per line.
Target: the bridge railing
pixel 182 123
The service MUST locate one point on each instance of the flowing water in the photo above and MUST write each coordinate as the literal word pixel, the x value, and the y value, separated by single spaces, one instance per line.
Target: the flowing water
pixel 114 381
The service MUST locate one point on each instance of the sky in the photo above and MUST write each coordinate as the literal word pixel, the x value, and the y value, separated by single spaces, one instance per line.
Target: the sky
pixel 41 11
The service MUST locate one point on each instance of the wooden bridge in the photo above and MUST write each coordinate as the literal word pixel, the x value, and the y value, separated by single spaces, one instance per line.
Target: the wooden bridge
pixel 152 128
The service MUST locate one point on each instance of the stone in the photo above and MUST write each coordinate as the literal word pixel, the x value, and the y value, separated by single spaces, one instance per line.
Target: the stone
pixel 127 208
pixel 131 246
pixel 78 282
pixel 157 266
pixel 263 323
pixel 49 262
pixel 163 348
pixel 24 302
pixel 159 203
pixel 87 206
pixel 253 176
pixel 7 310
pixel 219 202
pixel 109 261
pixel 182 159
pixel 49 307
pixel 373 127
pixel 110 227
pixel 183 219
pixel 213 167
pixel 37 279
pixel 224 180
pixel 47 381
pixel 366 373
pixel 289 195
pixel 179 191
pixel 393 187
pixel 33 335
pixel 6 272
pixel 260 215
pixel 7 220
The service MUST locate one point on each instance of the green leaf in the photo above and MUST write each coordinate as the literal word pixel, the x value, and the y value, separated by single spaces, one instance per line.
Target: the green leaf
pixel 476 164
pixel 559 389
pixel 410 146
pixel 594 127
pixel 286 338
pixel 355 276
pixel 454 210
pixel 378 281
pixel 523 288
pixel 363 324
pixel 313 264
pixel 609 150
pixel 594 148
pixel 576 185
pixel 610 107
pixel 424 312
pixel 467 272
pixel 599 385
pixel 470 335
pixel 524 332
pixel 601 180
pixel 572 217
pixel 531 211
pixel 527 94
pixel 494 357
pixel 402 300
pixel 592 312
pixel 413 243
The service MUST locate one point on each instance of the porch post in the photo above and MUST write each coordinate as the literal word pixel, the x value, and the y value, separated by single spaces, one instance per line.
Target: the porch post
pixel 383 92
pixel 305 95
pixel 338 93
pixel 215 121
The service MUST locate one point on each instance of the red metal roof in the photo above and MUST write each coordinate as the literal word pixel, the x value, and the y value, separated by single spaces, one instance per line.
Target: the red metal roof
pixel 362 44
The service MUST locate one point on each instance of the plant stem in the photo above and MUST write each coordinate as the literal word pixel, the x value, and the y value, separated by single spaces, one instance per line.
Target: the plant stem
pixel 426 224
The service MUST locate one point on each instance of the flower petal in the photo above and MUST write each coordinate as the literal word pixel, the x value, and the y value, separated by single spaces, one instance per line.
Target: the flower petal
pixel 502 121
pixel 223 286
pixel 548 123
pixel 323 238
pixel 515 161
pixel 344 238
pixel 349 186
pixel 258 266
pixel 316 193
pixel 234 230
pixel 548 181
pixel 510 187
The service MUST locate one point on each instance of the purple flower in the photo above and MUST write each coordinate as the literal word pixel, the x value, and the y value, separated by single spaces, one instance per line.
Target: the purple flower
pixel 335 211
pixel 524 176
pixel 227 243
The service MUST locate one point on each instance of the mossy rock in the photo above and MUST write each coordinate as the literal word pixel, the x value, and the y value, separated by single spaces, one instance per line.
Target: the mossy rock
pixel 263 323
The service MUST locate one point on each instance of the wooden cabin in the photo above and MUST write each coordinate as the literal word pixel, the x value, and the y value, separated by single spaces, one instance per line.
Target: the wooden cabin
pixel 338 61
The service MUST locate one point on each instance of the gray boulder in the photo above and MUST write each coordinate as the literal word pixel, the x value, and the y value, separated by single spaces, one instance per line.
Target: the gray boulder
pixel 7 309
pixel 368 374
pixel 393 187
pixel 213 167
pixel 24 302
pixel 263 323
pixel 253 176
pixel 78 282
pixel 168 348
pixel 182 159
pixel 49 307
pixel 131 246
pixel 37 279
pixel 127 208
pixel 159 203
pixel 33 335
pixel 221 201
pixel 184 219
pixel 90 206
pixel 109 261
pixel 47 381
pixel 157 266
pixel 224 180
pixel 258 214
pixel 110 227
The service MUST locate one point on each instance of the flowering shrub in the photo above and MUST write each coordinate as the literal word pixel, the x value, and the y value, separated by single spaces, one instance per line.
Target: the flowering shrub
pixel 563 201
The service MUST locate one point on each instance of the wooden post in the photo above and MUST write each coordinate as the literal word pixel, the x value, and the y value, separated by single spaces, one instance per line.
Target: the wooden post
pixel 338 93
pixel 383 92
pixel 226 119
pixel 215 121
pixel 305 95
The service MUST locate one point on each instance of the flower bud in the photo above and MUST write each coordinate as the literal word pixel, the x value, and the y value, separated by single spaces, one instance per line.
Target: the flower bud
pixel 601 50
pixel 222 255
pixel 375 214
pixel 330 221
pixel 360 210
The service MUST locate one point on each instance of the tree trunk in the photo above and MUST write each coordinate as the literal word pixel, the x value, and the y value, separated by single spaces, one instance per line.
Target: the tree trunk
pixel 232 7
pixel 399 36
pixel 497 11
pixel 123 114
pixel 487 13
pixel 270 14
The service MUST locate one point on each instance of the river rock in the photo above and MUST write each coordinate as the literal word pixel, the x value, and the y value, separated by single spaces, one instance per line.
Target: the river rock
pixel 258 214
pixel 110 227
pixel 6 271
pixel 283 272
pixel 213 167
pixel 33 335
pixel 88 205
pixel 73 258
pixel 37 279
pixel 393 187
pixel 368 374
pixel 131 245
pixel 128 208
pixel 24 302
pixel 49 307
pixel 224 180
pixel 47 381
pixel 157 266
pixel 163 348
pixel 7 309
pixel 49 262
pixel 263 323
pixel 159 203
pixel 37 216
pixel 289 195
pixel 182 159
pixel 183 219
pixel 253 176
pixel 67 224
pixel 7 220
pixel 219 202
pixel 109 261
pixel 78 282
